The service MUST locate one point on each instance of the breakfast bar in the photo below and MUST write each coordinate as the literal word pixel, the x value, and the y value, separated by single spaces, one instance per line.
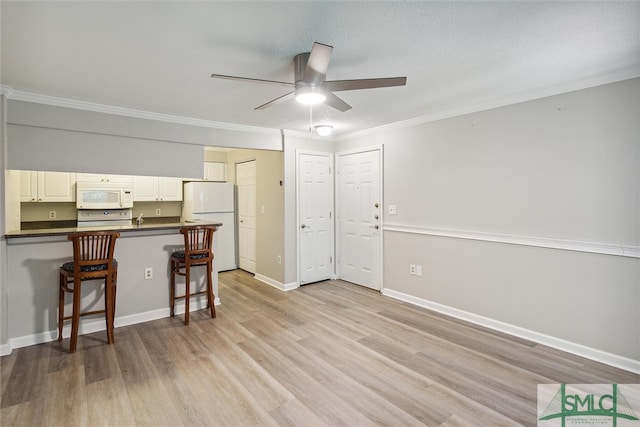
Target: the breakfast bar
pixel 142 251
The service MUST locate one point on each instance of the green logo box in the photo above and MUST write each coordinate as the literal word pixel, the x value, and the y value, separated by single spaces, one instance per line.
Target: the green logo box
pixel 593 405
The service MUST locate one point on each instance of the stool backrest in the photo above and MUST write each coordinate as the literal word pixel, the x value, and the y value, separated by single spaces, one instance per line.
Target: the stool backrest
pixel 198 240
pixel 93 249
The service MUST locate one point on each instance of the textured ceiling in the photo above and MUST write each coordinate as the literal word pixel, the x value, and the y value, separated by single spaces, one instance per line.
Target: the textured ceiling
pixel 457 56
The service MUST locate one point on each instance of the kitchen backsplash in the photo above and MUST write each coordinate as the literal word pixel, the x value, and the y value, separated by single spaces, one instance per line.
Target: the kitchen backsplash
pixel 66 211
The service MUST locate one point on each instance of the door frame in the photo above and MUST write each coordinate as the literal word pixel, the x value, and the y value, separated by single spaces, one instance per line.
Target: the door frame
pixel 380 149
pixel 330 156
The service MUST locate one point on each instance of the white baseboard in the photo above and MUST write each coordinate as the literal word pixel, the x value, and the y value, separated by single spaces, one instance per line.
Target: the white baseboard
pixel 5 349
pixel 283 287
pixel 614 360
pixel 98 325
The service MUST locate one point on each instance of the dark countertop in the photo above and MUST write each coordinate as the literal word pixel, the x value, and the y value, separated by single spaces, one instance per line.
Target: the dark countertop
pixel 123 229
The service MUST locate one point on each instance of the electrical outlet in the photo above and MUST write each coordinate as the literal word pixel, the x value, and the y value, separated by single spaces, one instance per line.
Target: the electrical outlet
pixel 158 212
pixel 412 269
pixel 148 273
pixel 52 214
pixel 392 210
pixel 279 259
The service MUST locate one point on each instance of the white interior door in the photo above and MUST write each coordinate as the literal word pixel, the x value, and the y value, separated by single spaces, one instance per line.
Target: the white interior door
pixel 315 219
pixel 359 215
pixel 246 182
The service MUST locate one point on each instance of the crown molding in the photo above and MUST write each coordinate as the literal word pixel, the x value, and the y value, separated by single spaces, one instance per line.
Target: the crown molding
pixel 18 95
pixel 495 103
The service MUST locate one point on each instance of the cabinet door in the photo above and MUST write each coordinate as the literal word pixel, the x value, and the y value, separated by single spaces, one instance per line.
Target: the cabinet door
pixel 170 189
pixel 56 187
pixel 99 177
pixel 123 179
pixel 28 186
pixel 90 177
pixel 145 188
pixel 215 171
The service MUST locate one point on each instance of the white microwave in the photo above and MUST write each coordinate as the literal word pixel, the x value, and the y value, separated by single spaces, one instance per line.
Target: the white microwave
pixel 101 195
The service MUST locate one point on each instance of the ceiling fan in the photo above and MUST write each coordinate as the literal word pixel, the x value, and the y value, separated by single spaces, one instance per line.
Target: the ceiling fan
pixel 310 86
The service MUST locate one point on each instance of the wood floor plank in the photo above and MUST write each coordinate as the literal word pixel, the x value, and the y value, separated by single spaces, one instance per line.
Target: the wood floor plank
pixel 329 353
pixel 323 402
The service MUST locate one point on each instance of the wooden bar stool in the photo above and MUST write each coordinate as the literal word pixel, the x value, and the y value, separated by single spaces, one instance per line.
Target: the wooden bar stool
pixel 92 260
pixel 198 244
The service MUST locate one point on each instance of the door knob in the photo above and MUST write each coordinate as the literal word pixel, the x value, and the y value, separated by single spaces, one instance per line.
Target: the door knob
pixel 305 226
pixel 376 205
pixel 374 226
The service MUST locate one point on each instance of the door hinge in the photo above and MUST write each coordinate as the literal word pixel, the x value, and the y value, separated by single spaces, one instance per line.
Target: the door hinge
pixel 330 260
pixel 329 215
pixel 329 170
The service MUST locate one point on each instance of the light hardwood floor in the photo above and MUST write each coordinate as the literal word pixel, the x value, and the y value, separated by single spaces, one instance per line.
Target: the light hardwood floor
pixel 330 353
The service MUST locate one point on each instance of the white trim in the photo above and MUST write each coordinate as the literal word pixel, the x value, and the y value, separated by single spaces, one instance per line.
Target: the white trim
pixel 611 359
pixel 18 95
pixel 274 283
pixel 540 242
pixel 6 90
pixel 5 349
pixel 97 325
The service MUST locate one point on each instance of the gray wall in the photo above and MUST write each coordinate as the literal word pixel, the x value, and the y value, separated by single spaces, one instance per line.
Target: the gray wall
pixel 54 138
pixel 553 172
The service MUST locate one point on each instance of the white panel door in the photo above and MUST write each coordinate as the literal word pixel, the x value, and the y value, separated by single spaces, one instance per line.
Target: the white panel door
pixel 246 181
pixel 315 222
pixel 359 217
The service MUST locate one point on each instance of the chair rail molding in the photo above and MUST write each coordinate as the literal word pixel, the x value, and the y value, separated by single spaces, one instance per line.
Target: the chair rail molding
pixel 615 249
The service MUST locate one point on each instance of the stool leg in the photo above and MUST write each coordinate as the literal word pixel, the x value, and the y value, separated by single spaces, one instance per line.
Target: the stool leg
pixel 210 296
pixel 108 307
pixel 113 309
pixel 75 316
pixel 61 306
pixel 187 291
pixel 172 288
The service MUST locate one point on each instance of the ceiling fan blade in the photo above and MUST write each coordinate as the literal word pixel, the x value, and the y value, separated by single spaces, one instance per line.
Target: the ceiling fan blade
pixel 245 79
pixel 286 97
pixel 337 103
pixel 338 85
pixel 316 69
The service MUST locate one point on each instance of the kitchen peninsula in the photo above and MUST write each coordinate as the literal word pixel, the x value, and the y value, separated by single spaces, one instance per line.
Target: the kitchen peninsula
pixel 36 255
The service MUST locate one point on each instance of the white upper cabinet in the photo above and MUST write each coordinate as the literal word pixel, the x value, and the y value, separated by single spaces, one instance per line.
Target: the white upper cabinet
pixel 215 171
pixel 154 188
pixel 170 188
pixel 98 177
pixel 47 186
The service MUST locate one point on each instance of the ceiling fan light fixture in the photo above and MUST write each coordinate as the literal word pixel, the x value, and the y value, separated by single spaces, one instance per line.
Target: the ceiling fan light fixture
pixel 323 130
pixel 310 95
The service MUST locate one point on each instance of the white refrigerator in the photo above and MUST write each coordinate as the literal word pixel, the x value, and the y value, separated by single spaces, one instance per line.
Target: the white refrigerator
pixel 214 201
